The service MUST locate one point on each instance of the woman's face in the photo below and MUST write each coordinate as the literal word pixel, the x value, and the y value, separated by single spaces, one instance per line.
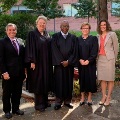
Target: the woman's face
pixel 103 26
pixel 85 30
pixel 11 32
pixel 41 25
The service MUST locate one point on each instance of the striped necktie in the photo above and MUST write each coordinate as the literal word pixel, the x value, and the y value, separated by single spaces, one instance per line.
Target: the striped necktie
pixel 15 46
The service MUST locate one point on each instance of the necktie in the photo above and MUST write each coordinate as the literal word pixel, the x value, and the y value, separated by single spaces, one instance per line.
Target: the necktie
pixel 15 46
pixel 65 36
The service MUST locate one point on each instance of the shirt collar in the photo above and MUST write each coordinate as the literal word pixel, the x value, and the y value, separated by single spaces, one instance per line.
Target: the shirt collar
pixel 14 39
pixel 64 33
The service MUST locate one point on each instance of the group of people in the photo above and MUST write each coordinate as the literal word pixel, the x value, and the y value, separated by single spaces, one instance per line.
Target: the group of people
pixel 49 64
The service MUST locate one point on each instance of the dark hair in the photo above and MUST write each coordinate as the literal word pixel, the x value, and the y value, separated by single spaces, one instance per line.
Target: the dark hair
pixel 108 27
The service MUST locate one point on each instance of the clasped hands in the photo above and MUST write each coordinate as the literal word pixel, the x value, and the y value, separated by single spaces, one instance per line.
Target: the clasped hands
pixel 64 63
pixel 32 66
pixel 6 76
pixel 84 62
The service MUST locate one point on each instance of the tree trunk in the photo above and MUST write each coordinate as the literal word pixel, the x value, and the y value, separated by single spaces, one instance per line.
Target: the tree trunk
pixel 103 12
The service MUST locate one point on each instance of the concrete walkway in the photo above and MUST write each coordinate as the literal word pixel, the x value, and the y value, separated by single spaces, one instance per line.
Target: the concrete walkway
pixel 95 112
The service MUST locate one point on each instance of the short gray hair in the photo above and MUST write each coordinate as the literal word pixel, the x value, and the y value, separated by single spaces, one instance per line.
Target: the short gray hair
pixel 41 17
pixel 10 24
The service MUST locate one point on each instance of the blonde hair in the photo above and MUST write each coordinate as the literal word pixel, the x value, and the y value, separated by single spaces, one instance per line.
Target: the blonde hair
pixel 41 17
pixel 84 24
pixel 10 24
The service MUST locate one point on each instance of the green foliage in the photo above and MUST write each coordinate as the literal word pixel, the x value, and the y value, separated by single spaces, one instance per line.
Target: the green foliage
pixel 6 5
pixel 85 8
pixel 25 22
pixel 78 33
pixel 117 71
pixel 76 88
pixel 48 8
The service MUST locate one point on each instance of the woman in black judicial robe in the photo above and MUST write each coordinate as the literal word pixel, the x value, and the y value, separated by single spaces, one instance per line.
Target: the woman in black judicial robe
pixel 39 64
pixel 87 53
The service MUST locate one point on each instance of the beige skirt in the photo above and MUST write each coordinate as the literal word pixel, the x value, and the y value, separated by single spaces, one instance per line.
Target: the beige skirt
pixel 105 69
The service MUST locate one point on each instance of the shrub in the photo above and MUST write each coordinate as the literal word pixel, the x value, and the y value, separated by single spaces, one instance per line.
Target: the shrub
pixel 24 21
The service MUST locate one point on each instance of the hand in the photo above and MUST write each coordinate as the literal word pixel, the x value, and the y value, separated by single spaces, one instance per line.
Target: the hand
pixel 32 66
pixel 82 62
pixel 64 63
pixel 6 76
pixel 86 62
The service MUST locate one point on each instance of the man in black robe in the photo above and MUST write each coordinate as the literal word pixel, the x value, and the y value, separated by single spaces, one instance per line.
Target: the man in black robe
pixel 39 64
pixel 63 58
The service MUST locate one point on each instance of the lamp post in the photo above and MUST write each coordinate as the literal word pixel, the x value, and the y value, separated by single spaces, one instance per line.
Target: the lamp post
pixel 54 24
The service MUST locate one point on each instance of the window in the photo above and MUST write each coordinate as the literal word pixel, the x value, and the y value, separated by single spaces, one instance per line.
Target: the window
pixel 16 9
pixel 69 10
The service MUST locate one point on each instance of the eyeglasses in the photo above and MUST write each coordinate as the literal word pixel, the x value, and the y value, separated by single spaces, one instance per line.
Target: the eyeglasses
pixel 85 28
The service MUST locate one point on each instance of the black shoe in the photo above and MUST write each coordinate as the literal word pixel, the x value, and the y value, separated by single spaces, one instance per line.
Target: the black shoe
pixel 89 103
pixel 18 112
pixel 40 109
pixel 69 106
pixel 47 105
pixel 82 103
pixel 8 115
pixel 57 107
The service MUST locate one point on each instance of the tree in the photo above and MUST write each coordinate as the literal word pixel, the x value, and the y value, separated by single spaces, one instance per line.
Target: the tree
pixel 6 5
pixel 85 8
pixel 102 10
pixel 48 8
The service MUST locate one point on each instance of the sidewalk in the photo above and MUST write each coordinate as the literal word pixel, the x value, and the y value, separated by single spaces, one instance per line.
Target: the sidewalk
pixel 95 112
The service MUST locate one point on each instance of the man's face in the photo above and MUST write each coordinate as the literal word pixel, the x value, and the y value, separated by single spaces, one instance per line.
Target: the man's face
pixel 11 31
pixel 64 27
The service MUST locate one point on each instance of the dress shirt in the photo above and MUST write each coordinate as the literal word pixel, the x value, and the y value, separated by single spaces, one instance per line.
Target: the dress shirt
pixel 64 35
pixel 15 41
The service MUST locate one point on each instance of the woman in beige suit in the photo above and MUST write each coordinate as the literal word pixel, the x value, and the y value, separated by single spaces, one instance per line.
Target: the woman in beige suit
pixel 107 55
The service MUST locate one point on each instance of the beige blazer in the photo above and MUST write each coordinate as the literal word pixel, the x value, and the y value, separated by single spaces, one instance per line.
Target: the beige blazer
pixel 111 45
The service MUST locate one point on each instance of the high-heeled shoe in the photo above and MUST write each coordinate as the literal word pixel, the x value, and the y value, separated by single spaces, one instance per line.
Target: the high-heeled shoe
pixel 82 103
pixel 89 103
pixel 102 103
pixel 107 102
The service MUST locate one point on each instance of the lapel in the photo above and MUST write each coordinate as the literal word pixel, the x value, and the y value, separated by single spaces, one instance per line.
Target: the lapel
pixel 107 38
pixel 98 36
pixel 11 45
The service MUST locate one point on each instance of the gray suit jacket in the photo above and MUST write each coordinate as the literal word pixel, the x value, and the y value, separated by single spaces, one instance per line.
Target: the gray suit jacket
pixel 111 45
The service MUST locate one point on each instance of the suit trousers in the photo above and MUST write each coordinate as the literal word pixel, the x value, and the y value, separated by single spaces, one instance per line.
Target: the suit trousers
pixel 12 90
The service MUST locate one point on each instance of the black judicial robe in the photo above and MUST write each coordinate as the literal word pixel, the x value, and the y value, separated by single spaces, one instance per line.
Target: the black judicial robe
pixel 62 50
pixel 88 50
pixel 38 52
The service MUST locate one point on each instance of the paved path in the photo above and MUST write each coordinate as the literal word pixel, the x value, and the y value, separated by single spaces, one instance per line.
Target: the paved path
pixel 95 112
